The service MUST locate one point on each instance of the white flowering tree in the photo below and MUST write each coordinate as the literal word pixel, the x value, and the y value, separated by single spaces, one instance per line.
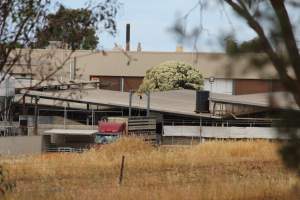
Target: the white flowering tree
pixel 172 75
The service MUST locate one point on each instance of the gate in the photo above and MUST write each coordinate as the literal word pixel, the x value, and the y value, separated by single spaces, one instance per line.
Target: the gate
pixel 143 127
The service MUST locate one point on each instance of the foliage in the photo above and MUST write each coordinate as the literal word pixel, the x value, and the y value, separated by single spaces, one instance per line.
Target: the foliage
pixel 275 30
pixel 251 46
pixel 231 46
pixel 172 75
pixel 74 27
pixel 78 27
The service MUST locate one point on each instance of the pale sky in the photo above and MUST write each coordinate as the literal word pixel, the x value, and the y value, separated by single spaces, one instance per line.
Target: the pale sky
pixel 150 21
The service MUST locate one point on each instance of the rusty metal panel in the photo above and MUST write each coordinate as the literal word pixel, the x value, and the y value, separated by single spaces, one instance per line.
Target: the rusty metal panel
pixel 110 82
pixel 251 86
pixel 132 83
pixel 277 86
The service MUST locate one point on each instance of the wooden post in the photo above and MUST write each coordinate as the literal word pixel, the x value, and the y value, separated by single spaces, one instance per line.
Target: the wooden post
pixel 121 170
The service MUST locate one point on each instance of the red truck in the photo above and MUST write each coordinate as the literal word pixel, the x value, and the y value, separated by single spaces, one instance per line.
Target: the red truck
pixel 109 132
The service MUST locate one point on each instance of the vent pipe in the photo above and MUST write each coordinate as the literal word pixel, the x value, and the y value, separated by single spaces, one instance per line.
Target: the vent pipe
pixel 139 47
pixel 127 37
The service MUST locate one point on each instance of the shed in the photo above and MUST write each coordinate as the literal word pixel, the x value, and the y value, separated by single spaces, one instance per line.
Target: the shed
pixel 69 139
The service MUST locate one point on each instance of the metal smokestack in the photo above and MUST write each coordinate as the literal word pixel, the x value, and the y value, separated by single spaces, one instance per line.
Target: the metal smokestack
pixel 127 37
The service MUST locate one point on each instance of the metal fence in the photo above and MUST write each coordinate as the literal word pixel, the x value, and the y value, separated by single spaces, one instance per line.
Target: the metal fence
pixel 218 122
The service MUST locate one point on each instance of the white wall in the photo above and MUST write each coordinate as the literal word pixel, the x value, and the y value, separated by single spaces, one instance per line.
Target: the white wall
pixel 223 86
pixel 17 145
pixel 224 132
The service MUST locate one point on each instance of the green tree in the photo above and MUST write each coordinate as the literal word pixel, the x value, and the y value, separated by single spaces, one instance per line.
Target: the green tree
pixel 250 46
pixel 231 46
pixel 74 27
pixel 172 75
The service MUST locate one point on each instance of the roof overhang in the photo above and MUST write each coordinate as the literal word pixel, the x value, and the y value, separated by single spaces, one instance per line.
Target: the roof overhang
pixel 70 132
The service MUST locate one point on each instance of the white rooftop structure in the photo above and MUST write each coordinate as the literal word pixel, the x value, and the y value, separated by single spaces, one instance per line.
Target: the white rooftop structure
pixel 70 132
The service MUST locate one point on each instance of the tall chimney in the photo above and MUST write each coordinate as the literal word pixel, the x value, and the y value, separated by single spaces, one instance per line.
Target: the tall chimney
pixel 127 37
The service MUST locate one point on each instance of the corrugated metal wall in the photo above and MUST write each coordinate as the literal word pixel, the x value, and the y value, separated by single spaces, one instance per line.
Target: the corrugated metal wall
pixel 132 83
pixel 118 83
pixel 250 86
pixel 223 86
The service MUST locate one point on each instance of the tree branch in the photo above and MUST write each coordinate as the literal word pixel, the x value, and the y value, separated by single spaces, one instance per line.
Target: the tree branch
pixel 278 62
pixel 287 35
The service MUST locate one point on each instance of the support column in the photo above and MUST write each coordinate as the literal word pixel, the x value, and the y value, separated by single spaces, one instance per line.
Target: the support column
pixel 130 103
pixel 87 114
pixel 148 104
pixel 65 116
pixel 36 115
pixel 122 84
pixel 23 105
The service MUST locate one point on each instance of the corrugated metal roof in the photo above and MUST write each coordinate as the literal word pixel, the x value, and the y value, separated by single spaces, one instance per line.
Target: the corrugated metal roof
pixel 282 100
pixel 180 102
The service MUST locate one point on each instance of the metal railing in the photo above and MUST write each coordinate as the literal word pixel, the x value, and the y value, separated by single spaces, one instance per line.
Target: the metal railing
pixel 66 149
pixel 222 123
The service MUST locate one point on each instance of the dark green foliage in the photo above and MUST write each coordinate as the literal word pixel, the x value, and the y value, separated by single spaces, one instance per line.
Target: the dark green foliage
pixel 250 46
pixel 231 46
pixel 77 28
pixel 74 27
pixel 289 151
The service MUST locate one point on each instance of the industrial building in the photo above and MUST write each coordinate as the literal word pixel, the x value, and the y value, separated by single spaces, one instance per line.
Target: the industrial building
pixel 124 71
pixel 64 109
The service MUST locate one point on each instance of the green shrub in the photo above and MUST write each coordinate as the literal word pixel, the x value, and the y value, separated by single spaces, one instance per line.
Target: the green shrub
pixel 172 75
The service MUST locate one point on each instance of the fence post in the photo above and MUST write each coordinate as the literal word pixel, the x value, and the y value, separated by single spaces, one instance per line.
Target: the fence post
pixel 121 170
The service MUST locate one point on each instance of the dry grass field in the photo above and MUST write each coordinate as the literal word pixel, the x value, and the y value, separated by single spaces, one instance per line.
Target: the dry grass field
pixel 213 170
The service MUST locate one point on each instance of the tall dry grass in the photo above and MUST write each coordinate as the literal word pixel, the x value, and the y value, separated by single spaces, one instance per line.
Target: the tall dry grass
pixel 213 170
